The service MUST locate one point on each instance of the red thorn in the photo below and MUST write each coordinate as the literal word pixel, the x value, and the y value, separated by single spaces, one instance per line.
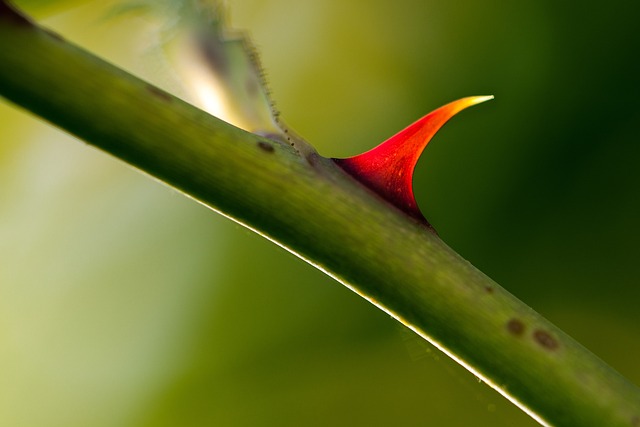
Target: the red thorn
pixel 388 168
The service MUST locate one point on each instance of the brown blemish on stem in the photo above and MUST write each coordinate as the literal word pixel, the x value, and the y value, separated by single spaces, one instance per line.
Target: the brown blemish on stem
pixel 12 15
pixel 545 339
pixel 313 158
pixel 158 93
pixel 265 146
pixel 515 327
pixel 488 289
pixel 635 421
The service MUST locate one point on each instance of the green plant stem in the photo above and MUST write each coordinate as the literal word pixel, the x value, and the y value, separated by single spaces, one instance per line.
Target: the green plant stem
pixel 303 202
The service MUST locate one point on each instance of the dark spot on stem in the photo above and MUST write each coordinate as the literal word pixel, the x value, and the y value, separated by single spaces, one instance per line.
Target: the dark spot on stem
pixel 635 421
pixel 515 327
pixel 488 289
pixel 313 158
pixel 12 15
pixel 159 93
pixel 265 146
pixel 545 339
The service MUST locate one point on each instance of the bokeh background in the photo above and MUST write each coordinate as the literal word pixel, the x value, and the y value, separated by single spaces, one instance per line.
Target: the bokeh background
pixel 123 303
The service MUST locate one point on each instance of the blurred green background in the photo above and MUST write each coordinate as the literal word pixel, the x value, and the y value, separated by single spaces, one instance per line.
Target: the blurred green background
pixel 123 303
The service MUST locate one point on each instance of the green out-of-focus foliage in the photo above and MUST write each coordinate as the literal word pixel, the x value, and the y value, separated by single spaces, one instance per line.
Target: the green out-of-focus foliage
pixel 46 8
pixel 123 303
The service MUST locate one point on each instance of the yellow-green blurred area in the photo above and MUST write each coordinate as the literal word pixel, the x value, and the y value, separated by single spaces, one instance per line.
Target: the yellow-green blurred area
pixel 123 303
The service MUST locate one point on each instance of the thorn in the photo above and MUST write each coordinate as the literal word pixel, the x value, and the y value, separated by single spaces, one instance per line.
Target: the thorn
pixel 388 168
